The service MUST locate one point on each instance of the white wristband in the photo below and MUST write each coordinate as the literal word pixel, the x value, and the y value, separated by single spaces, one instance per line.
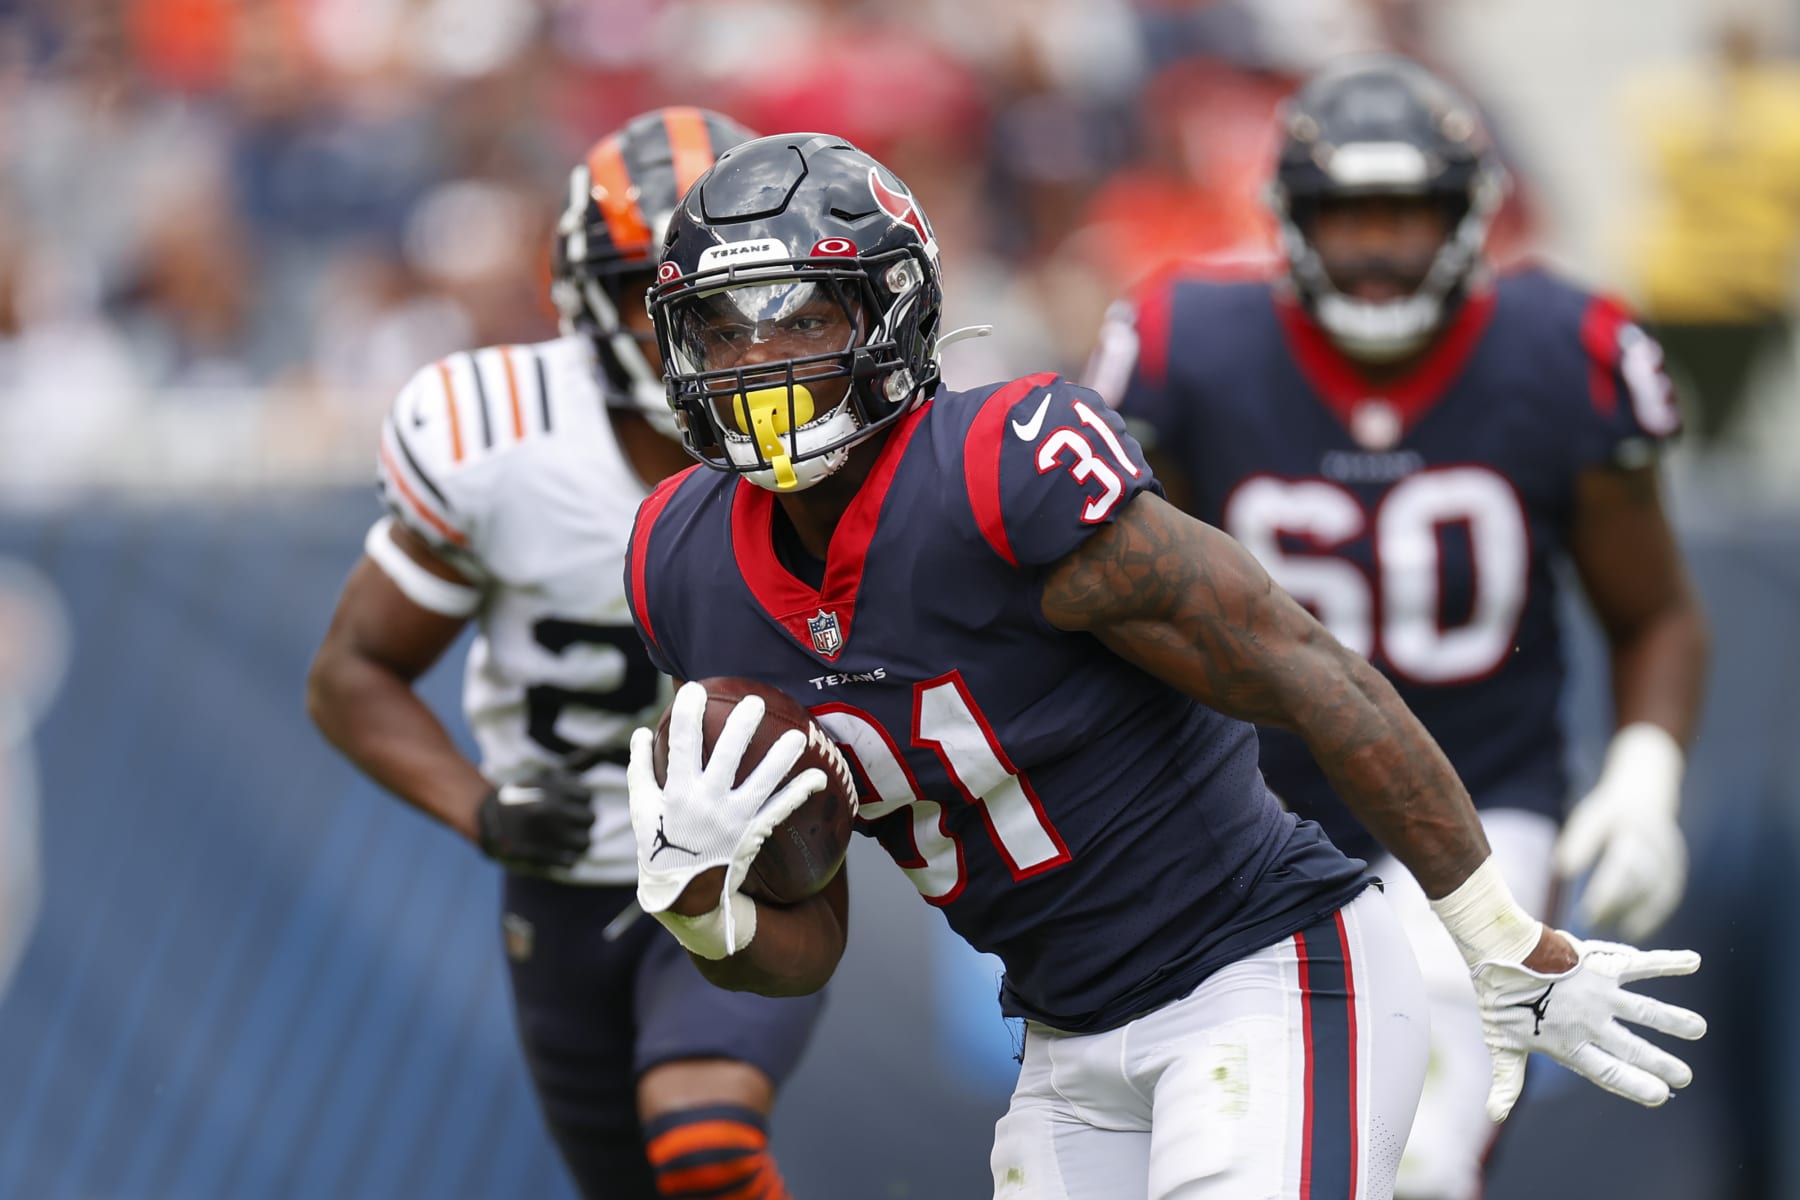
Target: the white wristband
pixel 1487 924
pixel 706 934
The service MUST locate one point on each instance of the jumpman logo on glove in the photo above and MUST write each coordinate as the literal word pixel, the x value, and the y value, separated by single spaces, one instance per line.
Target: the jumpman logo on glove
pixel 661 842
pixel 1540 1008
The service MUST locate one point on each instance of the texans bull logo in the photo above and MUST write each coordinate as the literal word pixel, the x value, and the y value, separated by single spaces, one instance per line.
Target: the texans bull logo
pixel 901 206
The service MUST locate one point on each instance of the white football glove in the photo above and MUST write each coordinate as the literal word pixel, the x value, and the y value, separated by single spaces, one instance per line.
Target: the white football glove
pixel 698 819
pixel 1575 1018
pixel 1628 825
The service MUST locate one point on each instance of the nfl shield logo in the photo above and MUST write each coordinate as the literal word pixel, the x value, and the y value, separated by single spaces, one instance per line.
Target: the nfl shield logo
pixel 827 638
pixel 1376 425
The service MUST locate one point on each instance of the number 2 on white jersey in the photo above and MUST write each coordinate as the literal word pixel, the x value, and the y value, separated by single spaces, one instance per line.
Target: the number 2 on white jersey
pixel 946 720
pixel 1397 613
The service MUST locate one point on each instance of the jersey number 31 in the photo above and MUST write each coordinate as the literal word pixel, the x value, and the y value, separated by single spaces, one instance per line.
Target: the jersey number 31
pixel 947 721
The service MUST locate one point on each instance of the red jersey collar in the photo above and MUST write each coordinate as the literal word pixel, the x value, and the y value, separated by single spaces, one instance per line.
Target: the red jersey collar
pixel 1344 389
pixel 820 620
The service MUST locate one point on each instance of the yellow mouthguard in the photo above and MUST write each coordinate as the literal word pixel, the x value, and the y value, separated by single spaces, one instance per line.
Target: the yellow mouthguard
pixel 766 411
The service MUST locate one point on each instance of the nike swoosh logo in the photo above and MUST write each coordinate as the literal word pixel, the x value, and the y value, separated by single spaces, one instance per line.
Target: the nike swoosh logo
pixel 513 793
pixel 1028 430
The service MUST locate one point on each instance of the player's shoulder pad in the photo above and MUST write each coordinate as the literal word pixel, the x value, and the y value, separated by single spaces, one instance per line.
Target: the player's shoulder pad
pixel 659 527
pixel 1601 362
pixel 449 429
pixel 1046 462
pixel 1140 330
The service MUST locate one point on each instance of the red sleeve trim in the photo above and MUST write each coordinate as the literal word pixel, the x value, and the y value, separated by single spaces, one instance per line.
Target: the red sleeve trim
pixel 647 513
pixel 1600 325
pixel 981 459
pixel 1155 306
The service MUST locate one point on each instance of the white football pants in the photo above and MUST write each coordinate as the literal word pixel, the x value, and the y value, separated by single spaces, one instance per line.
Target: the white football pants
pixel 1451 1135
pixel 1291 1073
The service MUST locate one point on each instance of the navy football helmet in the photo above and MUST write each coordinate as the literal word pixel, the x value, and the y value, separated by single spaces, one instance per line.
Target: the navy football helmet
pixel 1384 126
pixel 797 308
pixel 620 197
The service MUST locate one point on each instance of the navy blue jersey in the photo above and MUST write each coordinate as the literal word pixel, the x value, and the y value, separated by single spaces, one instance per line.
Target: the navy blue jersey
pixel 1110 839
pixel 1422 520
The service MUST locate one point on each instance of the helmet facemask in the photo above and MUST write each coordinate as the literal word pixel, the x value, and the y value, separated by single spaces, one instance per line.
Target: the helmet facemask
pixel 1382 127
pixel 1386 330
pixel 637 386
pixel 777 369
pixel 586 288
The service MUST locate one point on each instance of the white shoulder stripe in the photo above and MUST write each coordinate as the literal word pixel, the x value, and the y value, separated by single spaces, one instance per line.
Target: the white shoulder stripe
pixel 1115 355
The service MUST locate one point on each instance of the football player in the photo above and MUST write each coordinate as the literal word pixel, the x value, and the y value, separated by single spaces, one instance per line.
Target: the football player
pixel 511 475
pixel 1044 675
pixel 1412 449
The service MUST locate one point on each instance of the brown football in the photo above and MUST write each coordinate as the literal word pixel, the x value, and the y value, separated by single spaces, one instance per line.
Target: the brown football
pixel 806 850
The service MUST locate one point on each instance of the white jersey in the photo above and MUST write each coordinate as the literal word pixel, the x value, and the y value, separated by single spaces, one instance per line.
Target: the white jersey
pixel 505 462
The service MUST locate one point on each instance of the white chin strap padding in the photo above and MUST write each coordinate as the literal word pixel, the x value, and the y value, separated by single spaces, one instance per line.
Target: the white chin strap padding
pixel 806 472
pixel 1383 331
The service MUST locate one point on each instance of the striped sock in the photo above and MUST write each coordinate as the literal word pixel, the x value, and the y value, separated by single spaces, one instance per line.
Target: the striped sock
pixel 720 1153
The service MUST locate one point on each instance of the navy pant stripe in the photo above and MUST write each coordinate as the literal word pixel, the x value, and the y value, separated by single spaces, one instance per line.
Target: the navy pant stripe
pixel 1329 1129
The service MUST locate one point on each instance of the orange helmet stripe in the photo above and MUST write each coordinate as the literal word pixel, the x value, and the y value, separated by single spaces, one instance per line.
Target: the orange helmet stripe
pixel 690 144
pixel 613 193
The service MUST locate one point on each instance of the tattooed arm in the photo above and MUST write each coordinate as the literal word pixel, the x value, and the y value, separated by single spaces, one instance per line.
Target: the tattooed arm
pixel 1189 605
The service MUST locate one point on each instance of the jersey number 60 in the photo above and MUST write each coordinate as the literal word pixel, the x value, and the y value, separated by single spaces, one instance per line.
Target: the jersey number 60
pixel 1395 614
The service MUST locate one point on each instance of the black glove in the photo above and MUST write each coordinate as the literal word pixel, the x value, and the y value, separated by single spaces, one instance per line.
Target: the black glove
pixel 541 822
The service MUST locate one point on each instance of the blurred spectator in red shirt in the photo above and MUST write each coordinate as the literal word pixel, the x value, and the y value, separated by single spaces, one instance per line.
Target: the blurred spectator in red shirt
pixel 1196 192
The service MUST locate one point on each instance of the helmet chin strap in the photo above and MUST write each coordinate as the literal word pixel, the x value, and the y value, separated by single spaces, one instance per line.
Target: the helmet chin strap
pixel 805 474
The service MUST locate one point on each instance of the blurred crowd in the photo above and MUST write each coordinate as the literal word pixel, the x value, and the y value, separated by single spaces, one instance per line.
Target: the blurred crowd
pixel 273 210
